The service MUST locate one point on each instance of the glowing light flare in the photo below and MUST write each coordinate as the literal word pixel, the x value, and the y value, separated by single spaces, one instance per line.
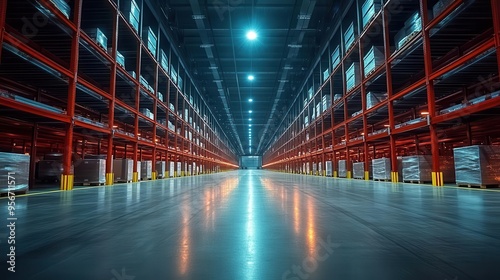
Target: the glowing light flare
pixel 252 35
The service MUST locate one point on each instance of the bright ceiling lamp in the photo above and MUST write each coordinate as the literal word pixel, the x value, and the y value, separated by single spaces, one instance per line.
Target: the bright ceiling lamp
pixel 251 35
pixel 250 100
pixel 251 78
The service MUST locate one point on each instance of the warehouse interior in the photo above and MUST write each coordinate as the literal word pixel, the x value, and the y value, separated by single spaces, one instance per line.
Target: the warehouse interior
pixel 287 139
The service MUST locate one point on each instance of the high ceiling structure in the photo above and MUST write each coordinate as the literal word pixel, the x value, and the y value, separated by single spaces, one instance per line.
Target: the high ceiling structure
pixel 249 82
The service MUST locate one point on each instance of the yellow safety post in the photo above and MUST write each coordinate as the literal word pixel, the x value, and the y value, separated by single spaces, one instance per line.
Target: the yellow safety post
pixel 67 182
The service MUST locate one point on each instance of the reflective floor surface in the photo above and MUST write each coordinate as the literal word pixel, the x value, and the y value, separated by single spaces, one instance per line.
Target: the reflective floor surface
pixel 245 225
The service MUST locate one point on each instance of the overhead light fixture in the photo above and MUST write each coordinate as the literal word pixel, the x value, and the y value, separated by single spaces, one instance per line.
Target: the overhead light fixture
pixel 115 126
pixel 424 113
pixel 288 68
pixel 250 100
pixel 213 67
pixel 250 125
pixel 386 125
pixel 250 111
pixel 250 120
pixel 304 17
pixel 251 35
pixel 294 46
pixel 206 46
pixel 283 81
pixel 198 17
pixel 251 77
pixel 217 81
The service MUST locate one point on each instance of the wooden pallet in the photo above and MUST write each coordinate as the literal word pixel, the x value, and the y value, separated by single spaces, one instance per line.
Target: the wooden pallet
pixel 90 184
pixel 417 182
pixel 478 186
pixel 382 180
pixel 371 72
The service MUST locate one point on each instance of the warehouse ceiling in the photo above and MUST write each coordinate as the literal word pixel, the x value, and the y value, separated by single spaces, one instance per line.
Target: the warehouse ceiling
pixel 212 34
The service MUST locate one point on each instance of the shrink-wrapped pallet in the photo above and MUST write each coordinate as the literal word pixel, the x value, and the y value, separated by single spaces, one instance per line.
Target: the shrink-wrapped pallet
pixel 329 168
pixel 381 169
pixel 477 165
pixel 123 169
pixel 14 172
pixel 342 166
pixel 419 168
pixel 358 170
pixel 90 171
pixel 160 169
pixel 146 169
pixel 171 169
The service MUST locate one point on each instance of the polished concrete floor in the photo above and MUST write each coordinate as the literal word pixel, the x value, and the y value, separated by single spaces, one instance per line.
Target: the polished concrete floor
pixel 255 225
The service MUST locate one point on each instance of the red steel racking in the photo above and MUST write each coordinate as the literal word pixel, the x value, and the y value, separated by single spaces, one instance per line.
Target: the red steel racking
pixel 439 86
pixel 61 91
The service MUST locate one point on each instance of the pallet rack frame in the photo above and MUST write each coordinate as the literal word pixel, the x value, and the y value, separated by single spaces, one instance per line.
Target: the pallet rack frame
pixel 212 149
pixel 330 138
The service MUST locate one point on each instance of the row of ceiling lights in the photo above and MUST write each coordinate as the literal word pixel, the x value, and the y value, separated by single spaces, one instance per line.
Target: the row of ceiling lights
pixel 252 36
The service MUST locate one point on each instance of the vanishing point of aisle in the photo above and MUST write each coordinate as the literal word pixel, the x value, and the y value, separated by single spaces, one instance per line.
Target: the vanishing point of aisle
pixel 246 225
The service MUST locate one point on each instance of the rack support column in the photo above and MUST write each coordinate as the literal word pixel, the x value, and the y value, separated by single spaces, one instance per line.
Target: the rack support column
pixel 437 175
pixel 68 175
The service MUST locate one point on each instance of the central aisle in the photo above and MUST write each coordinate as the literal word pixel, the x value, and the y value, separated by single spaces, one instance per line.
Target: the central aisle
pixel 258 225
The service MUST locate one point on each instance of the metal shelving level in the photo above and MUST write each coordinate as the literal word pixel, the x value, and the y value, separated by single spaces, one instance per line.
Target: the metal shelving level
pixel 434 87
pixel 83 81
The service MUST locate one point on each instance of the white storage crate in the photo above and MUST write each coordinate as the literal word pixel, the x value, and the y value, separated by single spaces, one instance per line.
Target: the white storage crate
pixel 98 36
pixel 150 40
pixel 326 74
pixel 373 99
pixel 173 75
pixel 163 61
pixel 325 102
pixel 336 57
pixel 369 9
pixel 400 38
pixel 120 59
pixel 147 113
pixel 329 168
pixel 349 36
pixel 352 76
pixel 373 59
pixel 413 24
pixel 132 13
pixel 62 6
